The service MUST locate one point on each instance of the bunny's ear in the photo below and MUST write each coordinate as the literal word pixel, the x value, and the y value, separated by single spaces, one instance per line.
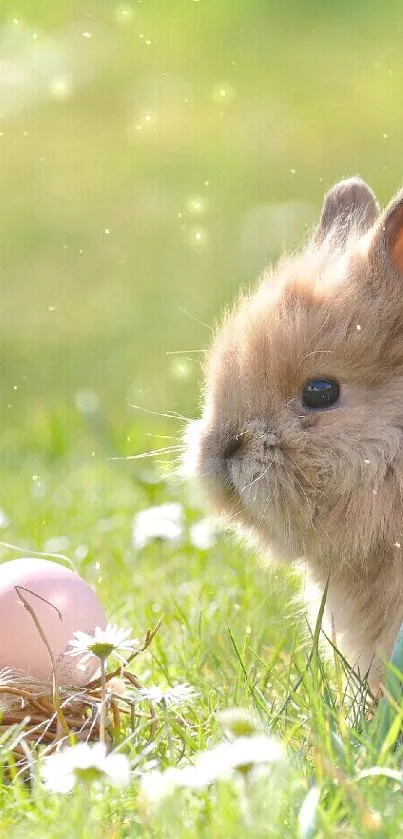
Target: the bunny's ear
pixel 349 203
pixel 387 242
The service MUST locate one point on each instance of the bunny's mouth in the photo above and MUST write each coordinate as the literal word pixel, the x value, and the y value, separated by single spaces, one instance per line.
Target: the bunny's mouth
pixel 234 466
pixel 249 478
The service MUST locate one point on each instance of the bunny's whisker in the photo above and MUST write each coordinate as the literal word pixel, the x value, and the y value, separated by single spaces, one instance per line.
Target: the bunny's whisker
pixel 164 450
pixel 255 480
pixel 166 414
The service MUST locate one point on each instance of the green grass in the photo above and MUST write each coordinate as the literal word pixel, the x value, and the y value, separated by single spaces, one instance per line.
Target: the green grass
pixel 105 288
pixel 231 630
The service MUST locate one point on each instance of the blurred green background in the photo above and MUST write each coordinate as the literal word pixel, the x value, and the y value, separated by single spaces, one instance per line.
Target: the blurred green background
pixel 153 157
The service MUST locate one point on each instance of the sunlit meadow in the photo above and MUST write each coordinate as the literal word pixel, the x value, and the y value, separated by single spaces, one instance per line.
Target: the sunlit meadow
pixel 154 156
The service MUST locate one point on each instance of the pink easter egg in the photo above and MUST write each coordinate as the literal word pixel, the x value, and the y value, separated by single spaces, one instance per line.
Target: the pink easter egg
pixel 63 603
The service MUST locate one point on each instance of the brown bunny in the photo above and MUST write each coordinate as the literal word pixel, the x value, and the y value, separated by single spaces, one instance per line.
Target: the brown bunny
pixel 301 439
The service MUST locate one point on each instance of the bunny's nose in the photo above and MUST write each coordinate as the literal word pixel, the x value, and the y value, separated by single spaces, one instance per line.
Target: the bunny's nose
pixel 255 432
pixel 232 446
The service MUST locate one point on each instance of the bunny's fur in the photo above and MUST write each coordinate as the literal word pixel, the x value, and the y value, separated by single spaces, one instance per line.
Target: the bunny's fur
pixel 323 485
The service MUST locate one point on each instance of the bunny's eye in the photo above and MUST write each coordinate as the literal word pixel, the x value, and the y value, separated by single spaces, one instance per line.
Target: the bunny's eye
pixel 320 393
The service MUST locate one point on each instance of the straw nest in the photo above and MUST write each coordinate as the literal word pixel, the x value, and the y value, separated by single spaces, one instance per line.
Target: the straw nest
pixel 48 715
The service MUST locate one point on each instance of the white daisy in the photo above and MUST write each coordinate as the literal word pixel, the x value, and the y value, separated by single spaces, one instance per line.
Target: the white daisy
pixel 103 643
pixel 236 722
pixel 84 763
pixel 164 522
pixel 243 755
pixel 156 785
pixel 203 535
pixel 4 519
pixel 178 695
